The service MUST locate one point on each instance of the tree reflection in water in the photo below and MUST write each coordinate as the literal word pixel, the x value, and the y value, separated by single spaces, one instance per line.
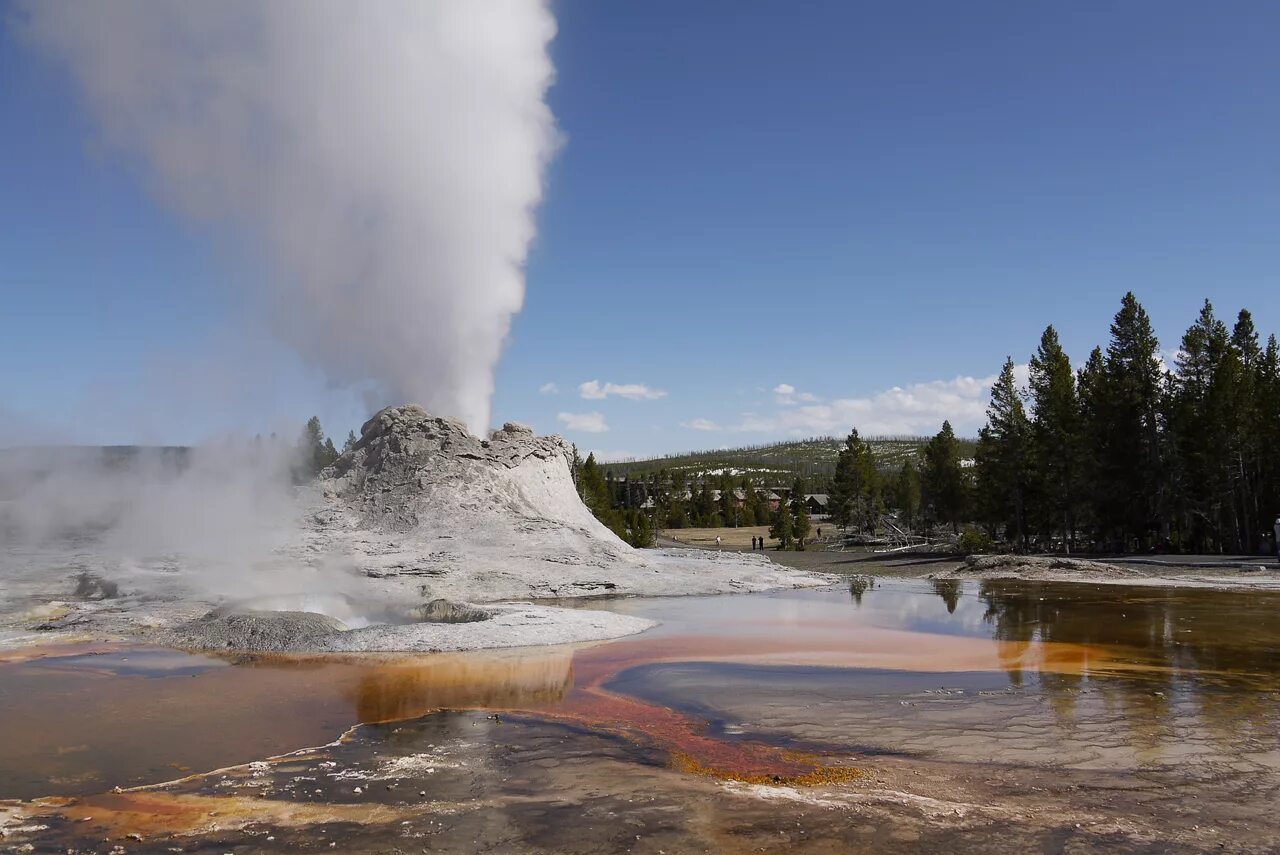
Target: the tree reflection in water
pixel 1203 647
pixel 858 586
pixel 949 590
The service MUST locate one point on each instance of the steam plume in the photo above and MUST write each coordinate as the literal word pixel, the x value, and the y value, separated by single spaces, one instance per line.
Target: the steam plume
pixel 385 157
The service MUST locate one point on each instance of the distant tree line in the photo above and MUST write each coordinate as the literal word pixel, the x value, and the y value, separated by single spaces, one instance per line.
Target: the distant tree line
pixel 635 508
pixel 862 495
pixel 812 458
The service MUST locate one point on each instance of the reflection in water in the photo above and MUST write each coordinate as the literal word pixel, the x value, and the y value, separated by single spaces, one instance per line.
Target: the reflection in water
pixel 949 590
pixel 126 716
pixel 1209 637
pixel 858 586
pixel 409 689
pixel 1205 663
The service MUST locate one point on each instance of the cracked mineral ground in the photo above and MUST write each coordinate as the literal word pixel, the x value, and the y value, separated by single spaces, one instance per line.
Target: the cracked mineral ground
pixel 908 715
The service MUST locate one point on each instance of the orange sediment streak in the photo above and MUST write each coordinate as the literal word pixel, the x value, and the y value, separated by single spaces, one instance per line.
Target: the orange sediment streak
pixel 151 813
pixel 686 741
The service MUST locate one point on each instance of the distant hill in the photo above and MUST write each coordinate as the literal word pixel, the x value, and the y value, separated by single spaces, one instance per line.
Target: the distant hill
pixel 781 461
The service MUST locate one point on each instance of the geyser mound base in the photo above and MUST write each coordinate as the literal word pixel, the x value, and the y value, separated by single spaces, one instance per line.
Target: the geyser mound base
pixel 256 632
pixel 425 509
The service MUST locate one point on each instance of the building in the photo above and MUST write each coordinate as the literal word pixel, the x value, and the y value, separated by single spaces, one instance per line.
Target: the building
pixel 817 504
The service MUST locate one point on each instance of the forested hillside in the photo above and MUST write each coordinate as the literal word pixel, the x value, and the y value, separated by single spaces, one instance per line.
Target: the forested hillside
pixel 779 462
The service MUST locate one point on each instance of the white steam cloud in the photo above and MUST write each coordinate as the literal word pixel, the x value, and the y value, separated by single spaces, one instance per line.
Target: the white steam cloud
pixel 385 158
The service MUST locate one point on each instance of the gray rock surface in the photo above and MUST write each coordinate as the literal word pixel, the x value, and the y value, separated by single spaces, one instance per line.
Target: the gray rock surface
pixel 254 631
pixel 1037 567
pixel 508 625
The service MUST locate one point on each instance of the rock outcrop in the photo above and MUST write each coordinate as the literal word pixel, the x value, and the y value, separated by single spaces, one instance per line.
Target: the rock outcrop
pixel 1046 568
pixel 411 469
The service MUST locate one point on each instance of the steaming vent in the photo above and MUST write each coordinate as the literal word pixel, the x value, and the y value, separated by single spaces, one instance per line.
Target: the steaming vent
pixel 343 609
pixel 285 622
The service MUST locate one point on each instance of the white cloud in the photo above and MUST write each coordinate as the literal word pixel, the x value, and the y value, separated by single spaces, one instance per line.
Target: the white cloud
pixel 594 390
pixel 786 395
pixel 549 389
pixel 585 422
pixel 917 409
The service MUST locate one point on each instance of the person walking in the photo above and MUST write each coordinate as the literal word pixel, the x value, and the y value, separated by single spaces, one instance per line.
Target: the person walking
pixel 717 541
pixel 1275 541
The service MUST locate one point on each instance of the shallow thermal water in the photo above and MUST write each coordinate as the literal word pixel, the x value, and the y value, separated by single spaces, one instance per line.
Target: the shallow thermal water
pixel 1016 715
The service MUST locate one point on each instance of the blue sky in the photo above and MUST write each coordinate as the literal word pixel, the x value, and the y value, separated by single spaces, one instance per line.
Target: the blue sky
pixel 783 217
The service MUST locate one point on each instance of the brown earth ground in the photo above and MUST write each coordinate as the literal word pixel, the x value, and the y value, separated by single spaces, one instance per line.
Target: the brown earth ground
pixel 918 565
pixel 823 555
pixel 737 539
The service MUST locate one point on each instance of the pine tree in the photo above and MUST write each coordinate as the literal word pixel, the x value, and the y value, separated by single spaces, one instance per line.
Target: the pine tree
pixel 312 434
pixel 1249 426
pixel 314 451
pixel 943 483
pixel 640 530
pixel 906 496
pixel 855 487
pixel 575 468
pixel 756 507
pixel 593 487
pixel 781 530
pixel 1096 498
pixel 728 503
pixel 746 507
pixel 799 520
pixel 704 514
pixel 1055 439
pixel 1003 462
pixel 1266 417
pixel 350 443
pixel 1135 466
pixel 677 512
pixel 1205 424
